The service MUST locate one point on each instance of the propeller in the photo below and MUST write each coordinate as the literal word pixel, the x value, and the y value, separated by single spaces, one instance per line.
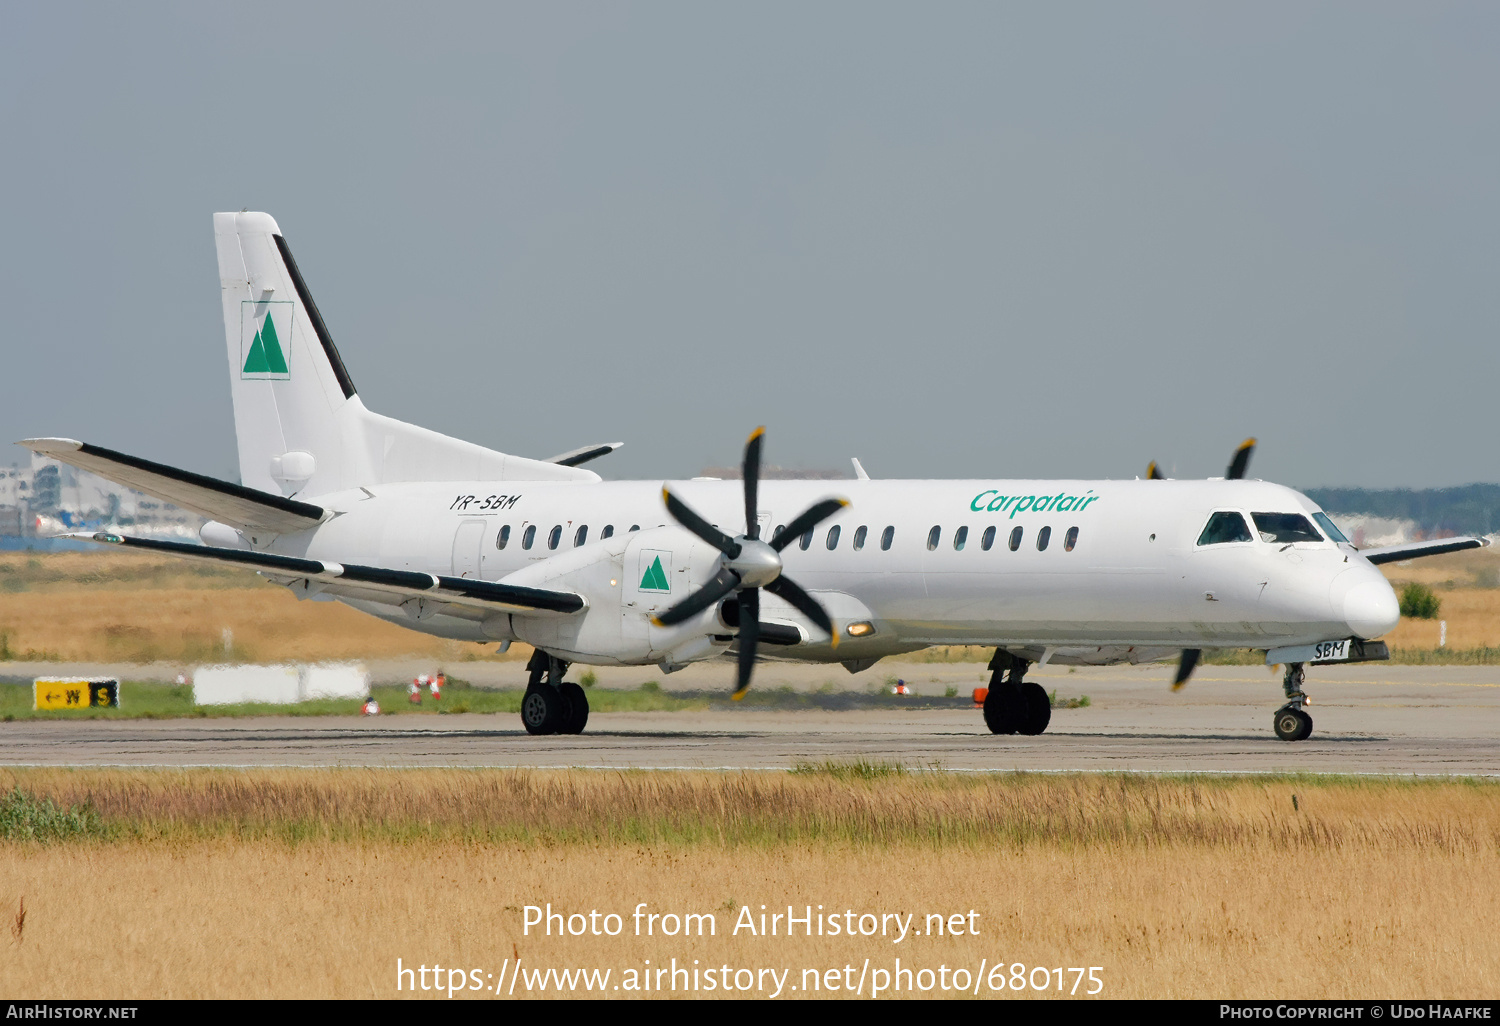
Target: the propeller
pixel 749 565
pixel 1238 464
pixel 1240 461
pixel 1186 666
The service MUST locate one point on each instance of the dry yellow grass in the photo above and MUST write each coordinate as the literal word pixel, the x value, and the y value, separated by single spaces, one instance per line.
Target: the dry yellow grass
pixel 1187 888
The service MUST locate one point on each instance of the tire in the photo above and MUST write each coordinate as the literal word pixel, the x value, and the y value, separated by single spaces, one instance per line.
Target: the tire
pixel 578 708
pixel 1038 708
pixel 1307 725
pixel 1292 724
pixel 1004 709
pixel 543 710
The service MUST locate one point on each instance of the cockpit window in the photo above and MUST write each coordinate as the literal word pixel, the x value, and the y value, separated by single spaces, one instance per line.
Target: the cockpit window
pixel 1330 528
pixel 1283 528
pixel 1225 526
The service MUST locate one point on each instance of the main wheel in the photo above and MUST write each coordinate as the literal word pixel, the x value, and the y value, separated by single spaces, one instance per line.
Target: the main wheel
pixel 543 710
pixel 1292 724
pixel 578 708
pixel 1038 708
pixel 1004 709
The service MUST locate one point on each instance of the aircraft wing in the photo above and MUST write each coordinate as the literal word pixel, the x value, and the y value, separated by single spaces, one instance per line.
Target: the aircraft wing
pixel 245 508
pixel 372 583
pixel 1413 550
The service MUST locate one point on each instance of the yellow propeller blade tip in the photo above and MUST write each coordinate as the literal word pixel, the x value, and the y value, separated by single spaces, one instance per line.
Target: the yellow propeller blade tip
pixel 656 622
pixel 738 695
pixel 1247 443
pixel 1178 686
pixel 833 639
pixel 664 494
pixel 756 434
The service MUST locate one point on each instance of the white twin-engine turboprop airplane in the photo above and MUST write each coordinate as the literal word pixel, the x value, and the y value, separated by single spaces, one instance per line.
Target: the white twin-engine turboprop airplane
pixel 453 539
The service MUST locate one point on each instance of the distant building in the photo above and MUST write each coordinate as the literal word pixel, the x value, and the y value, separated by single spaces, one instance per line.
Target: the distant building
pixel 46 498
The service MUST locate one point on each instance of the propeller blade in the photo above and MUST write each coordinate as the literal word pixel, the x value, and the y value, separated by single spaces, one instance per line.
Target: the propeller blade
pixel 809 518
pixel 1153 473
pixel 1185 667
pixel 750 471
pixel 749 638
pixel 809 606
pixel 723 583
pixel 1240 461
pixel 702 528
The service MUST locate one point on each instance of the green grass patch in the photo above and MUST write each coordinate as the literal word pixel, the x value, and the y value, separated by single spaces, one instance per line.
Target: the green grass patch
pixel 26 817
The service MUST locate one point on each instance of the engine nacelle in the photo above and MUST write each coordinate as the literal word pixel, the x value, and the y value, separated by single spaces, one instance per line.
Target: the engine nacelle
pixel 627 580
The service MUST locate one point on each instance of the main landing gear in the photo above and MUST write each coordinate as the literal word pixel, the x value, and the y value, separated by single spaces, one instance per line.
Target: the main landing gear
pixel 1014 705
pixel 552 705
pixel 1292 722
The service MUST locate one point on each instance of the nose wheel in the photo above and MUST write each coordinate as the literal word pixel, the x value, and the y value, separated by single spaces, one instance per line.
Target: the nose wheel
pixel 1292 723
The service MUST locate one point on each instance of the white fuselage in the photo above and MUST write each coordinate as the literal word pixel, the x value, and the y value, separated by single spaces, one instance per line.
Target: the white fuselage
pixel 1131 584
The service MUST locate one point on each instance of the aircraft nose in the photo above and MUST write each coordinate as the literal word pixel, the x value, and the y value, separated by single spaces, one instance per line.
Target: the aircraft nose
pixel 1371 609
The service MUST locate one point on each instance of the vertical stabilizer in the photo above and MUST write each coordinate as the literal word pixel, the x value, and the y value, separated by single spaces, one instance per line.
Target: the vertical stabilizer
pixel 298 421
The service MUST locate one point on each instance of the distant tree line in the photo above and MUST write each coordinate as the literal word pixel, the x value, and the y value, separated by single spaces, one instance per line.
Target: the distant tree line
pixel 1467 509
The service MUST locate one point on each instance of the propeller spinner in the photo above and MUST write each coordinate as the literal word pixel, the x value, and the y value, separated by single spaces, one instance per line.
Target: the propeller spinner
pixel 749 564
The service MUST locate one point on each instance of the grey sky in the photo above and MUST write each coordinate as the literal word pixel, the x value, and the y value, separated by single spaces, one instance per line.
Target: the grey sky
pixel 953 240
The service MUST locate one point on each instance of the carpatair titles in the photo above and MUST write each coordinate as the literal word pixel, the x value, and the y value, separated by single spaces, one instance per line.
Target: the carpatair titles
pixel 992 501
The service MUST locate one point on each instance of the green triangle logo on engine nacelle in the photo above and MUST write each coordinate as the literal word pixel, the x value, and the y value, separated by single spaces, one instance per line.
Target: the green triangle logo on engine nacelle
pixel 655 577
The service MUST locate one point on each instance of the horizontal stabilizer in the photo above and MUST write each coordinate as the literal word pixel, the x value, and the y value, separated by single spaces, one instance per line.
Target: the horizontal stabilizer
pixel 232 504
pixel 578 457
pixel 1414 550
pixel 372 583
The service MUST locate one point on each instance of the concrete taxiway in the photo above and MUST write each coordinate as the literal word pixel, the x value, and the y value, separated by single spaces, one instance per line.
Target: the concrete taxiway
pixel 1369 719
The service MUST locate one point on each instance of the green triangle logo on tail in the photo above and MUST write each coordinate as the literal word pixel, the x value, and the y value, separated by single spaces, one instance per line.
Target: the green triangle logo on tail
pixel 264 355
pixel 655 578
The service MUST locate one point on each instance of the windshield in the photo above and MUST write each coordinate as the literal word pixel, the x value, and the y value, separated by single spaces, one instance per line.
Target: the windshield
pixel 1224 527
pixel 1330 528
pixel 1282 528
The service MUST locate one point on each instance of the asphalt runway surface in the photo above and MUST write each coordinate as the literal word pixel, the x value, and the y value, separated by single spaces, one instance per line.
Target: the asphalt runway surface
pixel 1368 719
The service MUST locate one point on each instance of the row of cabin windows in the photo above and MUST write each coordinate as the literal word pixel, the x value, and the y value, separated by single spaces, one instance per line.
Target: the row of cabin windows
pixel 831 540
pixel 554 536
pixel 935 537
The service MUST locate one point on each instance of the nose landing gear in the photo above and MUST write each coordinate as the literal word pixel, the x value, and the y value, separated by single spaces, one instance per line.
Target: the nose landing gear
pixel 552 705
pixel 1291 721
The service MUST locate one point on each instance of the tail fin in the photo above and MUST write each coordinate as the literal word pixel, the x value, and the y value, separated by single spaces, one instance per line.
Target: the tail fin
pixel 298 420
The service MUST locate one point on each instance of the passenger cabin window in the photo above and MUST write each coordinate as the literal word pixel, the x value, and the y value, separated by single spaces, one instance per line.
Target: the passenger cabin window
pixel 987 540
pixel 960 538
pixel 528 537
pixel 1283 528
pixel 554 536
pixel 1224 527
pixel 1015 538
pixel 777 533
pixel 503 538
pixel 1042 538
pixel 580 536
pixel 886 537
pixel 1070 539
pixel 859 537
pixel 805 542
pixel 608 532
pixel 635 527
pixel 833 537
pixel 1330 528
pixel 933 537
